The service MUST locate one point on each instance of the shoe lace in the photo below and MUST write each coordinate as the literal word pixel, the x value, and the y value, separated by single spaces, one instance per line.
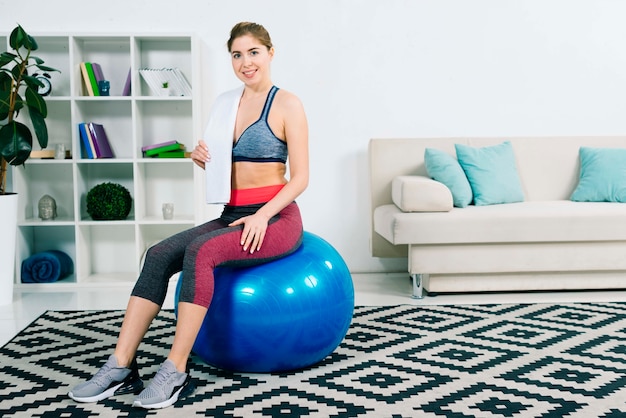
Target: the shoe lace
pixel 98 377
pixel 163 376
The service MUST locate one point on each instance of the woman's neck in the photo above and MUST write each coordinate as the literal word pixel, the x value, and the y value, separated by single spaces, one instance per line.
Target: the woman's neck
pixel 260 90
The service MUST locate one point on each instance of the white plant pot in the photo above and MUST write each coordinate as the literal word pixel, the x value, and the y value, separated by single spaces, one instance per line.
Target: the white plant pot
pixel 8 226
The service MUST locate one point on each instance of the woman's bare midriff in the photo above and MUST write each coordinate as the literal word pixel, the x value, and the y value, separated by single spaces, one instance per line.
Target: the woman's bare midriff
pixel 248 175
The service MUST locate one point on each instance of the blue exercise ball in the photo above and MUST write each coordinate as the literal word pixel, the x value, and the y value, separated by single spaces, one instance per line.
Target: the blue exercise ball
pixel 283 315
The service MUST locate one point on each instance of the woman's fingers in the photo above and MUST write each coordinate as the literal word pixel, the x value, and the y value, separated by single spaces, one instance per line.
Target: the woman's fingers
pixel 200 154
pixel 252 235
pixel 252 239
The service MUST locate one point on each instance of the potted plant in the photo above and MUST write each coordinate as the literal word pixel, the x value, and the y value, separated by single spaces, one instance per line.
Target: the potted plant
pixel 109 202
pixel 19 90
pixel 165 88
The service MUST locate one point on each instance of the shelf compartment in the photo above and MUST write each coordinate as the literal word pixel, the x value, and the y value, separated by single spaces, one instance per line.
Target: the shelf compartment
pixel 35 239
pixel 117 122
pixel 58 124
pixel 33 182
pixel 92 173
pixel 54 50
pixel 167 181
pixel 164 120
pixel 161 52
pixel 113 55
pixel 106 250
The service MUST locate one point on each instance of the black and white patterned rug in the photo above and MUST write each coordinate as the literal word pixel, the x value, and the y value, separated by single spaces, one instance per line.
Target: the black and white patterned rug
pixel 529 360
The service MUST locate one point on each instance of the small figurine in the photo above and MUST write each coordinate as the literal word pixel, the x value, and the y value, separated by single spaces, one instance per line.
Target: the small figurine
pixel 47 208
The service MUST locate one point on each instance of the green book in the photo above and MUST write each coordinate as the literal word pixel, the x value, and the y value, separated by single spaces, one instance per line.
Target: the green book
pixel 172 147
pixel 92 79
pixel 173 154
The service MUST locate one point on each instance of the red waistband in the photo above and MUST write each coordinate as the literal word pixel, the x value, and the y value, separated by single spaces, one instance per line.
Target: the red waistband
pixel 264 194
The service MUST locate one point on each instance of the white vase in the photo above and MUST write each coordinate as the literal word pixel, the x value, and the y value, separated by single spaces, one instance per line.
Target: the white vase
pixel 8 226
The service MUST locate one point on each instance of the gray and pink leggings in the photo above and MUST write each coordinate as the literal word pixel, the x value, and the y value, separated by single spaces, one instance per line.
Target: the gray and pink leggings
pixel 199 250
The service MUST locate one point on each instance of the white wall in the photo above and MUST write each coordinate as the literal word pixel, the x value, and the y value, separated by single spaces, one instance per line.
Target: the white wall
pixel 395 68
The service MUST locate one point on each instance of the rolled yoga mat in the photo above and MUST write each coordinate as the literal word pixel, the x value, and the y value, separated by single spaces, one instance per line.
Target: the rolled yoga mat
pixel 47 267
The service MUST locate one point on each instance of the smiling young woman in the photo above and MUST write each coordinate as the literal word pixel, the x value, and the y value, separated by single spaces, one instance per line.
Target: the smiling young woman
pixel 261 222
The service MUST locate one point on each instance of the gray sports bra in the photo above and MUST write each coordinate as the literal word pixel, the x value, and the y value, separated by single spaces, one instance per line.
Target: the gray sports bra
pixel 258 143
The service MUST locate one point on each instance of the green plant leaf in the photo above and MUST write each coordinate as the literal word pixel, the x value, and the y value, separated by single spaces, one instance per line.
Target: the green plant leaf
pixel 30 43
pixel 35 101
pixel 5 81
pixel 4 103
pixel 6 57
pixel 46 68
pixel 5 95
pixel 32 82
pixel 39 124
pixel 16 142
pixel 18 38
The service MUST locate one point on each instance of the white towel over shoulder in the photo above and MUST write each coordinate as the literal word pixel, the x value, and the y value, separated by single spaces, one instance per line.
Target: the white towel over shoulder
pixel 218 136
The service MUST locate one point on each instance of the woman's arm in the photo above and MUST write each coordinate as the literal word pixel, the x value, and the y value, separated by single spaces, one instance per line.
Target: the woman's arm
pixel 297 137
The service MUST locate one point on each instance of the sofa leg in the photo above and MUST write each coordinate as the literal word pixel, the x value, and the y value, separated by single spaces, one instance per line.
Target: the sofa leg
pixel 418 285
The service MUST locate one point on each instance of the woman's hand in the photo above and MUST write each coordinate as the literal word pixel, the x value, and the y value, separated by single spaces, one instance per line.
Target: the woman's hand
pixel 253 234
pixel 200 154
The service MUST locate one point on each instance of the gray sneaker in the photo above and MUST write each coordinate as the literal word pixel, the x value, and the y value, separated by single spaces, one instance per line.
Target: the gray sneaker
pixel 110 380
pixel 166 388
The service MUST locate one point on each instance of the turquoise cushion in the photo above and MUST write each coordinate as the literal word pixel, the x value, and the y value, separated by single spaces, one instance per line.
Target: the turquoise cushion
pixel 602 175
pixel 444 168
pixel 492 173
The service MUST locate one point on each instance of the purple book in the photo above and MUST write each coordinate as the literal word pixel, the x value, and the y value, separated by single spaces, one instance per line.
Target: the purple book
pixel 97 71
pixel 100 141
pixel 153 146
pixel 126 90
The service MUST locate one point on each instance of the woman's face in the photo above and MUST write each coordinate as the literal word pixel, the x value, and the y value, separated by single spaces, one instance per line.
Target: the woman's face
pixel 251 60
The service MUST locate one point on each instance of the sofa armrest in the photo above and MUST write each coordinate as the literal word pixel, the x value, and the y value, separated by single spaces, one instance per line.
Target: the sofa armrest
pixel 420 194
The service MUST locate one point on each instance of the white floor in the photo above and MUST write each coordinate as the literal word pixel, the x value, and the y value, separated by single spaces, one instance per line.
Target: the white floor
pixel 370 290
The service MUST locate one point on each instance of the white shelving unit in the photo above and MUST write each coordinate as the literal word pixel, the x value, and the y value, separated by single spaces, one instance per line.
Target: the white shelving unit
pixel 109 252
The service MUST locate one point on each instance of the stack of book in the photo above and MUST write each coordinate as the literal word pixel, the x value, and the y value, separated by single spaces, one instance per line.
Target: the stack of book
pixel 168 149
pixel 92 75
pixel 171 78
pixel 95 141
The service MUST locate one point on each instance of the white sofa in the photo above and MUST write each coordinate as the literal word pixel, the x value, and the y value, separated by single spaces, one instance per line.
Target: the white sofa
pixel 546 242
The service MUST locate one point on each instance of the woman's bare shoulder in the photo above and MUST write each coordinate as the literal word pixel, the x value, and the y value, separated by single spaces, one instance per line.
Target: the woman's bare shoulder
pixel 288 100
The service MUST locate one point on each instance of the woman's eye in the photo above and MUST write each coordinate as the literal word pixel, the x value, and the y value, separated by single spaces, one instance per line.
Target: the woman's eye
pixel 254 52
pixel 236 56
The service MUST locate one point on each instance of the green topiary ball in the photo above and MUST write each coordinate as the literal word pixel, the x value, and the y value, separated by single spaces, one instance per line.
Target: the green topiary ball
pixel 109 202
